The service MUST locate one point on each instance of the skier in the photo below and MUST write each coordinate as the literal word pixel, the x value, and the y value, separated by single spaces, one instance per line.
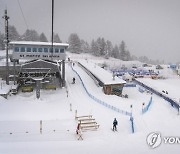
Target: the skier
pixel 78 128
pixel 115 123
pixel 74 80
pixel 79 132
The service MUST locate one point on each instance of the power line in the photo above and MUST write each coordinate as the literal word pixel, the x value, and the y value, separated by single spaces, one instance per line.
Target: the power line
pixel 22 14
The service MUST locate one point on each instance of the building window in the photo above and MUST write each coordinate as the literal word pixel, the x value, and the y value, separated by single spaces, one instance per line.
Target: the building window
pixel 56 50
pixel 28 49
pixel 45 49
pixel 39 49
pixel 34 49
pixel 16 49
pixel 61 50
pixel 51 50
pixel 22 49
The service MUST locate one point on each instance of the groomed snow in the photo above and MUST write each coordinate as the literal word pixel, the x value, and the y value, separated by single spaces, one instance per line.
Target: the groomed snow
pixel 105 76
pixel 20 117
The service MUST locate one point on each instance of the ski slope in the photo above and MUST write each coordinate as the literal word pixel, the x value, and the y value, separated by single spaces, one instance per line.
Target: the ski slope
pixel 20 116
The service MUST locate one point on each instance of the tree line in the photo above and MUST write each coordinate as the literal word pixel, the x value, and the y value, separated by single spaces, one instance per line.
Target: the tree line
pixel 29 35
pixel 98 47
pixel 105 48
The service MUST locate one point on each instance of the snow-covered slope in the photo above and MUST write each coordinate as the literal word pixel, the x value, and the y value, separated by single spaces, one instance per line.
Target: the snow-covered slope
pixel 20 117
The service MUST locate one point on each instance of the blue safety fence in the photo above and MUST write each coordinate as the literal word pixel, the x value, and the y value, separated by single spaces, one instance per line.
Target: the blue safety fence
pixel 132 124
pixel 146 108
pixel 171 101
pixel 141 90
pixel 104 103
pixel 130 85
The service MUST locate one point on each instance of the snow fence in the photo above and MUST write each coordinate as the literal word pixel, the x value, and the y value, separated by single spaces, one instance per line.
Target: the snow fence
pixel 171 101
pixel 106 104
pixel 144 110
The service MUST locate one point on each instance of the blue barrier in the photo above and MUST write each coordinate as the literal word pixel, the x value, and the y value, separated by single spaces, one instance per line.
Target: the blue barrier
pixel 130 85
pixel 172 102
pixel 141 90
pixel 106 104
pixel 132 123
pixel 144 110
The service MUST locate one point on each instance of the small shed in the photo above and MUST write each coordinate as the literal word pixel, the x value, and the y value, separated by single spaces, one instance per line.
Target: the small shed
pixel 113 89
pixel 112 85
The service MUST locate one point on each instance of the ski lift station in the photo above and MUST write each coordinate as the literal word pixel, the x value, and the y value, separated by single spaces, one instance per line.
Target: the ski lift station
pixel 38 65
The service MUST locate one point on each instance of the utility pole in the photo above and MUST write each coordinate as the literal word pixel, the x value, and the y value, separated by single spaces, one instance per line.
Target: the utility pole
pixel 52 28
pixel 6 18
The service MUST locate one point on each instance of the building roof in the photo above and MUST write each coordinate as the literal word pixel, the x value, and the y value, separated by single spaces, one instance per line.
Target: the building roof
pixel 38 43
pixel 102 74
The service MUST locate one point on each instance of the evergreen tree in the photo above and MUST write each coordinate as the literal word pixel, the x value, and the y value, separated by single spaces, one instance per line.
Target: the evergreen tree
pixel 85 46
pixel 122 50
pixel 109 49
pixel 128 55
pixel 101 46
pixel 30 35
pixel 94 48
pixel 1 41
pixel 57 38
pixel 43 38
pixel 74 43
pixel 13 34
pixel 115 52
pixel 124 54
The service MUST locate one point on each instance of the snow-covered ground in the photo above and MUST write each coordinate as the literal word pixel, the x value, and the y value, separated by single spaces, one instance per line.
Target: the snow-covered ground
pixel 20 117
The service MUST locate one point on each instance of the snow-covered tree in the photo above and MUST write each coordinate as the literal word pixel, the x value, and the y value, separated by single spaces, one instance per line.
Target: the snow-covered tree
pixel 122 49
pixel 57 38
pixel 109 49
pixel 13 34
pixel 74 43
pixel 30 35
pixel 94 48
pixel 124 53
pixel 43 38
pixel 101 46
pixel 85 46
pixel 98 47
pixel 115 52
pixel 1 41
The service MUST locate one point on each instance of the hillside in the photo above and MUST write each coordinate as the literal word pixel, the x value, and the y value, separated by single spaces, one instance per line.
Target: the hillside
pixel 20 117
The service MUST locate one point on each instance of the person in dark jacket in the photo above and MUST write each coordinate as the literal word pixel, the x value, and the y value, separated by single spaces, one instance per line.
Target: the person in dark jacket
pixel 115 123
pixel 74 80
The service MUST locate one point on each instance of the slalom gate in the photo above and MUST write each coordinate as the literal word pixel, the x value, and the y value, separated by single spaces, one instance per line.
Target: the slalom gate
pixel 144 110
pixel 106 104
pixel 171 101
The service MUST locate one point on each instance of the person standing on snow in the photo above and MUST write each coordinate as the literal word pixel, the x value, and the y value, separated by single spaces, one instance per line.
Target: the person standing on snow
pixel 74 80
pixel 115 123
pixel 78 128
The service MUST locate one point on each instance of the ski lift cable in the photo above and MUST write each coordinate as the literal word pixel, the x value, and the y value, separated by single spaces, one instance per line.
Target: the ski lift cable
pixel 23 14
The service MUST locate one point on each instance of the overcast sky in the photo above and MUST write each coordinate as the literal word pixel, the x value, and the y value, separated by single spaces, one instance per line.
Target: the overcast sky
pixel 148 27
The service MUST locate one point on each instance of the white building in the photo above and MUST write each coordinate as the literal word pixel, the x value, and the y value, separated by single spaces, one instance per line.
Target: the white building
pixel 38 50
